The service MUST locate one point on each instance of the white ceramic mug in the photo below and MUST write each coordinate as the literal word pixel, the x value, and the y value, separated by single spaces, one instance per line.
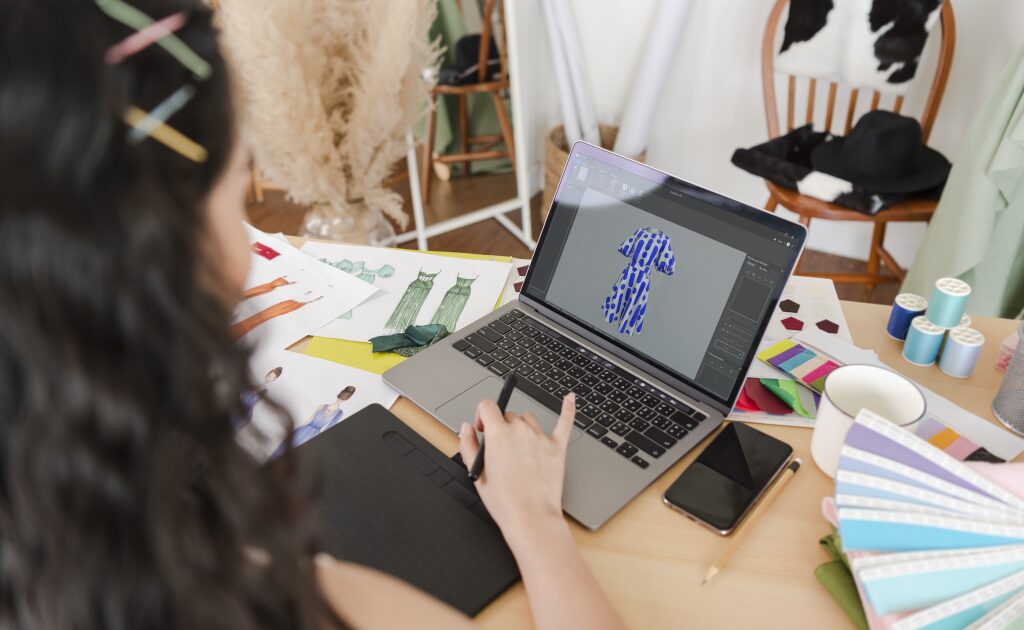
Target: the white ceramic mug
pixel 848 390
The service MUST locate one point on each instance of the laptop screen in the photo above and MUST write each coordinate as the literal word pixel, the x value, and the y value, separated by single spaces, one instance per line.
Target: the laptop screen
pixel 678 276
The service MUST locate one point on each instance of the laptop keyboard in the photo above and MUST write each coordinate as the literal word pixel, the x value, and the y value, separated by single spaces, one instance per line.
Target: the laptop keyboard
pixel 626 414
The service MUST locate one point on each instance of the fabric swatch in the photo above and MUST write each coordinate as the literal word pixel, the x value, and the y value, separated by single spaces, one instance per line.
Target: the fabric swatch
pixel 789 306
pixel 792 323
pixel 764 398
pixel 829 326
pixel 744 403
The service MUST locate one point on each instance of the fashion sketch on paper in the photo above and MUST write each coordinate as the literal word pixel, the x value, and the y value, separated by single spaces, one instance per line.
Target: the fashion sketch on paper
pixel 359 269
pixel 325 417
pixel 247 325
pixel 452 304
pixel 266 287
pixel 412 301
pixel 648 250
pixel 252 397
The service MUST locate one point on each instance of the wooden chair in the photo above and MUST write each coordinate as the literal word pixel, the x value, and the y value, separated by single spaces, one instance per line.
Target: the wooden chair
pixel 810 208
pixel 485 144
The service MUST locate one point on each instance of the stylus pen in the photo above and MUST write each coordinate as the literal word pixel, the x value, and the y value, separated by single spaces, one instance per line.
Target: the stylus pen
pixel 737 540
pixel 506 392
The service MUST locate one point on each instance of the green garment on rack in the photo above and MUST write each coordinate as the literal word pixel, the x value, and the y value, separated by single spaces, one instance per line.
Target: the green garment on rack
pixel 483 120
pixel 977 233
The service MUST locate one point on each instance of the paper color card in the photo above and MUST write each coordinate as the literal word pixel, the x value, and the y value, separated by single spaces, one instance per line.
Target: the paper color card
pixel 955 445
pixel 806 365
pixel 900 492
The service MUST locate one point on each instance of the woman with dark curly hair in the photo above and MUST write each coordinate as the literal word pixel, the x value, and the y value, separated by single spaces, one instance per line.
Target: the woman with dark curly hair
pixel 125 500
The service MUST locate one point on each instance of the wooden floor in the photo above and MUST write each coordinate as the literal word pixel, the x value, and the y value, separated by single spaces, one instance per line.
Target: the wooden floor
pixel 462 195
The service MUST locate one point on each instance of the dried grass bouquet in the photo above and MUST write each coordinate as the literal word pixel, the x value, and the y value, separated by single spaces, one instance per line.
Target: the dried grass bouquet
pixel 328 90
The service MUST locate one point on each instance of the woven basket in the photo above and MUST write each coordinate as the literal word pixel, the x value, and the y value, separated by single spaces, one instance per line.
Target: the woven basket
pixel 556 154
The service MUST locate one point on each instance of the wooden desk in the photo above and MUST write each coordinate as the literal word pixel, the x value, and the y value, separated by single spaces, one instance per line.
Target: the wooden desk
pixel 650 559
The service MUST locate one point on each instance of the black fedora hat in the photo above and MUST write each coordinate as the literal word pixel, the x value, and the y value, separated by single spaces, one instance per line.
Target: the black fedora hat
pixel 883 154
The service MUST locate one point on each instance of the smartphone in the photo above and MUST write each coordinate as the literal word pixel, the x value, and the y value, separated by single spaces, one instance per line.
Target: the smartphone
pixel 728 477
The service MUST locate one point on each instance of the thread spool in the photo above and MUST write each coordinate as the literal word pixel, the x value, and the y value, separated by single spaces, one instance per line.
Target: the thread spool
pixel 923 341
pixel 905 308
pixel 949 298
pixel 961 352
pixel 965 322
pixel 1008 405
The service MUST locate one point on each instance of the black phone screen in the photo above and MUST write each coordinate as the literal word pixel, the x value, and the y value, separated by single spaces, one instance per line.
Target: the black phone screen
pixel 728 476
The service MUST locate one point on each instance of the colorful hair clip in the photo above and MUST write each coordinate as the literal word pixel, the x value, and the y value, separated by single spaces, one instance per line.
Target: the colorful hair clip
pixel 143 39
pixel 161 113
pixel 139 21
pixel 165 134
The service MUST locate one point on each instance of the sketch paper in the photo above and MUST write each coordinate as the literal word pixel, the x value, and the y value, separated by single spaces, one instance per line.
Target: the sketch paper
pixel 805 303
pixel 316 393
pixel 288 295
pixel 415 288
pixel 809 301
pixel 514 284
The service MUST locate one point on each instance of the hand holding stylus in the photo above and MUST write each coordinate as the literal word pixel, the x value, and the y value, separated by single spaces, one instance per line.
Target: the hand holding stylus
pixel 503 398
pixel 523 480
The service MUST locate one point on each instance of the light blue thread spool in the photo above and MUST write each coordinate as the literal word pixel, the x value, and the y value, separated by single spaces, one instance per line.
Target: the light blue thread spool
pixel 949 298
pixel 923 341
pixel 961 352
pixel 906 307
pixel 965 322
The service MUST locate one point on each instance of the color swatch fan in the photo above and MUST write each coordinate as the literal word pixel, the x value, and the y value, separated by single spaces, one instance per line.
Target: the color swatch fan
pixel 933 542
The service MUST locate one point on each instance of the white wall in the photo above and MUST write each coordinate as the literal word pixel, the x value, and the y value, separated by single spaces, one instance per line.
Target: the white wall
pixel 713 104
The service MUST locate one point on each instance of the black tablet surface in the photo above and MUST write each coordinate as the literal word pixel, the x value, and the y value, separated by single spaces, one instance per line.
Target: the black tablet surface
pixel 392 501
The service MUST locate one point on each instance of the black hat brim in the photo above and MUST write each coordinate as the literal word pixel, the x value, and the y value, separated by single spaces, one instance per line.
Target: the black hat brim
pixel 932 171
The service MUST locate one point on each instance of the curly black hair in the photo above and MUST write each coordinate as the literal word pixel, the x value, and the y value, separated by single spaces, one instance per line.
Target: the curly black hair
pixel 125 501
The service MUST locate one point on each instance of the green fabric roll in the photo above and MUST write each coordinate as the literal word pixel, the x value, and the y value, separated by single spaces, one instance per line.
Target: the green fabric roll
pixel 837 579
pixel 413 340
pixel 978 228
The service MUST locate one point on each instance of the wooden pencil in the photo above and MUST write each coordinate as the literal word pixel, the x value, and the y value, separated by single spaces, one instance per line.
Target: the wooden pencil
pixel 762 507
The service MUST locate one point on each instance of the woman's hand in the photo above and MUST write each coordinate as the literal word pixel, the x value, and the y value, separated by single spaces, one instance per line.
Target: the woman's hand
pixel 524 469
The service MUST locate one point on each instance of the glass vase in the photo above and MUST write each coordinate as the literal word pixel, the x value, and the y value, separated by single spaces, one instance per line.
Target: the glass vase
pixel 350 222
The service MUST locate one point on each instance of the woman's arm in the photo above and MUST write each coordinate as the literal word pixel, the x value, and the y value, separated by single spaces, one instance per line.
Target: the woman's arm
pixel 521 485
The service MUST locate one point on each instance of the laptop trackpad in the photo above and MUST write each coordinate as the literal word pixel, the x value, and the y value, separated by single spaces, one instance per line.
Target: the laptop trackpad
pixel 462 408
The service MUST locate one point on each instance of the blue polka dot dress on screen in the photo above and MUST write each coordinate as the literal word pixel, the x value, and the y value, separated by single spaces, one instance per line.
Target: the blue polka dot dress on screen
pixel 647 249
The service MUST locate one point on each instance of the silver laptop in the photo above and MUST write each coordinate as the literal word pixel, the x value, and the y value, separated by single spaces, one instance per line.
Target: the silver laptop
pixel 647 296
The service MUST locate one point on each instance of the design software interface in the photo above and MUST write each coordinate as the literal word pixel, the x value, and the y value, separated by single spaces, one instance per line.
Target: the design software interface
pixel 681 282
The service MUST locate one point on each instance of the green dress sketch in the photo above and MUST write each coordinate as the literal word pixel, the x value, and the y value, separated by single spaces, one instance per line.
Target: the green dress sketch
pixel 450 309
pixel 412 301
pixel 359 269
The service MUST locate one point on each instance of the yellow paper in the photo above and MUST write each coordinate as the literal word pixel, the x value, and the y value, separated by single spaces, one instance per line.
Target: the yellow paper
pixel 359 354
